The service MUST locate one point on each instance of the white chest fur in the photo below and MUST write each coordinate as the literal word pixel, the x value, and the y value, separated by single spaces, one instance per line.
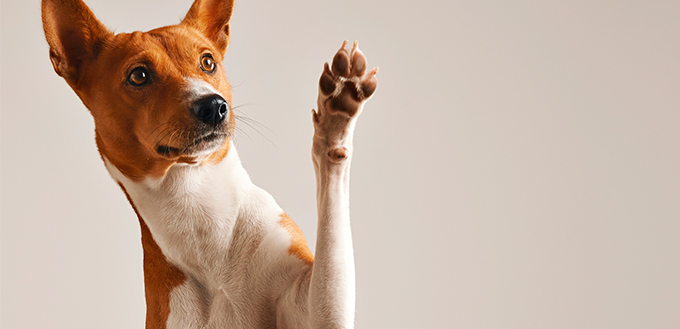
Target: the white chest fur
pixel 189 207
pixel 219 228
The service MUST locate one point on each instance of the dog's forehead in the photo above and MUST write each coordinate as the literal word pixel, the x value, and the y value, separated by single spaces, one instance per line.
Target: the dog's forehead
pixel 171 53
pixel 179 40
pixel 174 43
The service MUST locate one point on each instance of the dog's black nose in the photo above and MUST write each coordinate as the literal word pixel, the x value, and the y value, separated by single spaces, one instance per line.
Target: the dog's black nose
pixel 211 109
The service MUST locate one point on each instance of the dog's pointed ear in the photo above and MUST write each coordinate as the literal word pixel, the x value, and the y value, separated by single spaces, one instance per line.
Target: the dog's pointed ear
pixel 211 17
pixel 74 35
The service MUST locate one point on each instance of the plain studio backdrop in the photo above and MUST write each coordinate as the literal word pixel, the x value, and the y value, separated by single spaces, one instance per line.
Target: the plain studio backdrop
pixel 518 166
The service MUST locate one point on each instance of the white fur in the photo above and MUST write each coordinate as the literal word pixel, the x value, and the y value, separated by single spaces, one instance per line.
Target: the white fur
pixel 193 213
pixel 197 88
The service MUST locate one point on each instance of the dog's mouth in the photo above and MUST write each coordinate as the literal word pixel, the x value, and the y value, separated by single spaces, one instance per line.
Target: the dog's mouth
pixel 204 143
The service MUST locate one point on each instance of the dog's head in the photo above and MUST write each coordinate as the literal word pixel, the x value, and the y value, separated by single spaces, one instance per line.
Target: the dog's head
pixel 159 97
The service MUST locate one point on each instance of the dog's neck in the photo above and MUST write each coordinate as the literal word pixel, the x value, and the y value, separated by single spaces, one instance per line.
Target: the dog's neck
pixel 201 226
pixel 191 212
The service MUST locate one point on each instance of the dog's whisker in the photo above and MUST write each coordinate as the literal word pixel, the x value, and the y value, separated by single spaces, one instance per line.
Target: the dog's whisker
pixel 237 85
pixel 242 132
pixel 161 135
pixel 172 135
pixel 245 119
pixel 257 131
pixel 179 137
pixel 236 107
pixel 166 133
pixel 191 135
pixel 156 129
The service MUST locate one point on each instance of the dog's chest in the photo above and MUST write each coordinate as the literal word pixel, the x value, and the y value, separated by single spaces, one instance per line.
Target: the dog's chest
pixel 225 234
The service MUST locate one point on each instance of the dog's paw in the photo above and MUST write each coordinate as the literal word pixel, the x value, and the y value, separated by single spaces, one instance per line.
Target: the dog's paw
pixel 346 85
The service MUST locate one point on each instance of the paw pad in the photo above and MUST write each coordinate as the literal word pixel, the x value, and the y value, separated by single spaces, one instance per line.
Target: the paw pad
pixel 344 87
pixel 346 84
pixel 338 154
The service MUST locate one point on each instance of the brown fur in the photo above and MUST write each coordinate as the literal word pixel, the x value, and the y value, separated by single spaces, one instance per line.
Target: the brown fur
pixel 131 122
pixel 129 135
pixel 160 276
pixel 298 243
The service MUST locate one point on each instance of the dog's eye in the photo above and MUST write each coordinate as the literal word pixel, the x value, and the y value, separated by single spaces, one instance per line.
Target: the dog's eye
pixel 207 63
pixel 138 76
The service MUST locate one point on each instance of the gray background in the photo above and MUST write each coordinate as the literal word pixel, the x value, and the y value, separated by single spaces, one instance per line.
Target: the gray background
pixel 518 166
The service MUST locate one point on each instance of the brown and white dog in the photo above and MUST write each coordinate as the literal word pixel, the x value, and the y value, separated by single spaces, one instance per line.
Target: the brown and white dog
pixel 218 251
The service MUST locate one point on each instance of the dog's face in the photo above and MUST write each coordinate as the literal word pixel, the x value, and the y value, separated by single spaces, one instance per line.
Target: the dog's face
pixel 157 98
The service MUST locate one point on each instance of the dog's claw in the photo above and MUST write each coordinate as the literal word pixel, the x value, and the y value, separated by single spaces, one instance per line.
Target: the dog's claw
pixel 370 83
pixel 315 116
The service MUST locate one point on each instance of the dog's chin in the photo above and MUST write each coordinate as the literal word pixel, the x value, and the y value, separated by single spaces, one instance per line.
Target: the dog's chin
pixel 195 148
pixel 206 144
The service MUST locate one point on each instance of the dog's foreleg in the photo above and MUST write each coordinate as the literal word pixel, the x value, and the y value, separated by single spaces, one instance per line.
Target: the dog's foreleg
pixel 343 89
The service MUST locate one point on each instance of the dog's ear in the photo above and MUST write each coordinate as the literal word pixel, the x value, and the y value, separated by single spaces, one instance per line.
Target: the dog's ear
pixel 74 35
pixel 211 17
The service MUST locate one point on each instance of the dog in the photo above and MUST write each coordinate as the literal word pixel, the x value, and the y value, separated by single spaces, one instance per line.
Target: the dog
pixel 218 251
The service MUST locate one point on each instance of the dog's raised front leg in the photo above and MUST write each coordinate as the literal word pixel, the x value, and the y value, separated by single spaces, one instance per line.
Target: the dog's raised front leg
pixel 343 89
